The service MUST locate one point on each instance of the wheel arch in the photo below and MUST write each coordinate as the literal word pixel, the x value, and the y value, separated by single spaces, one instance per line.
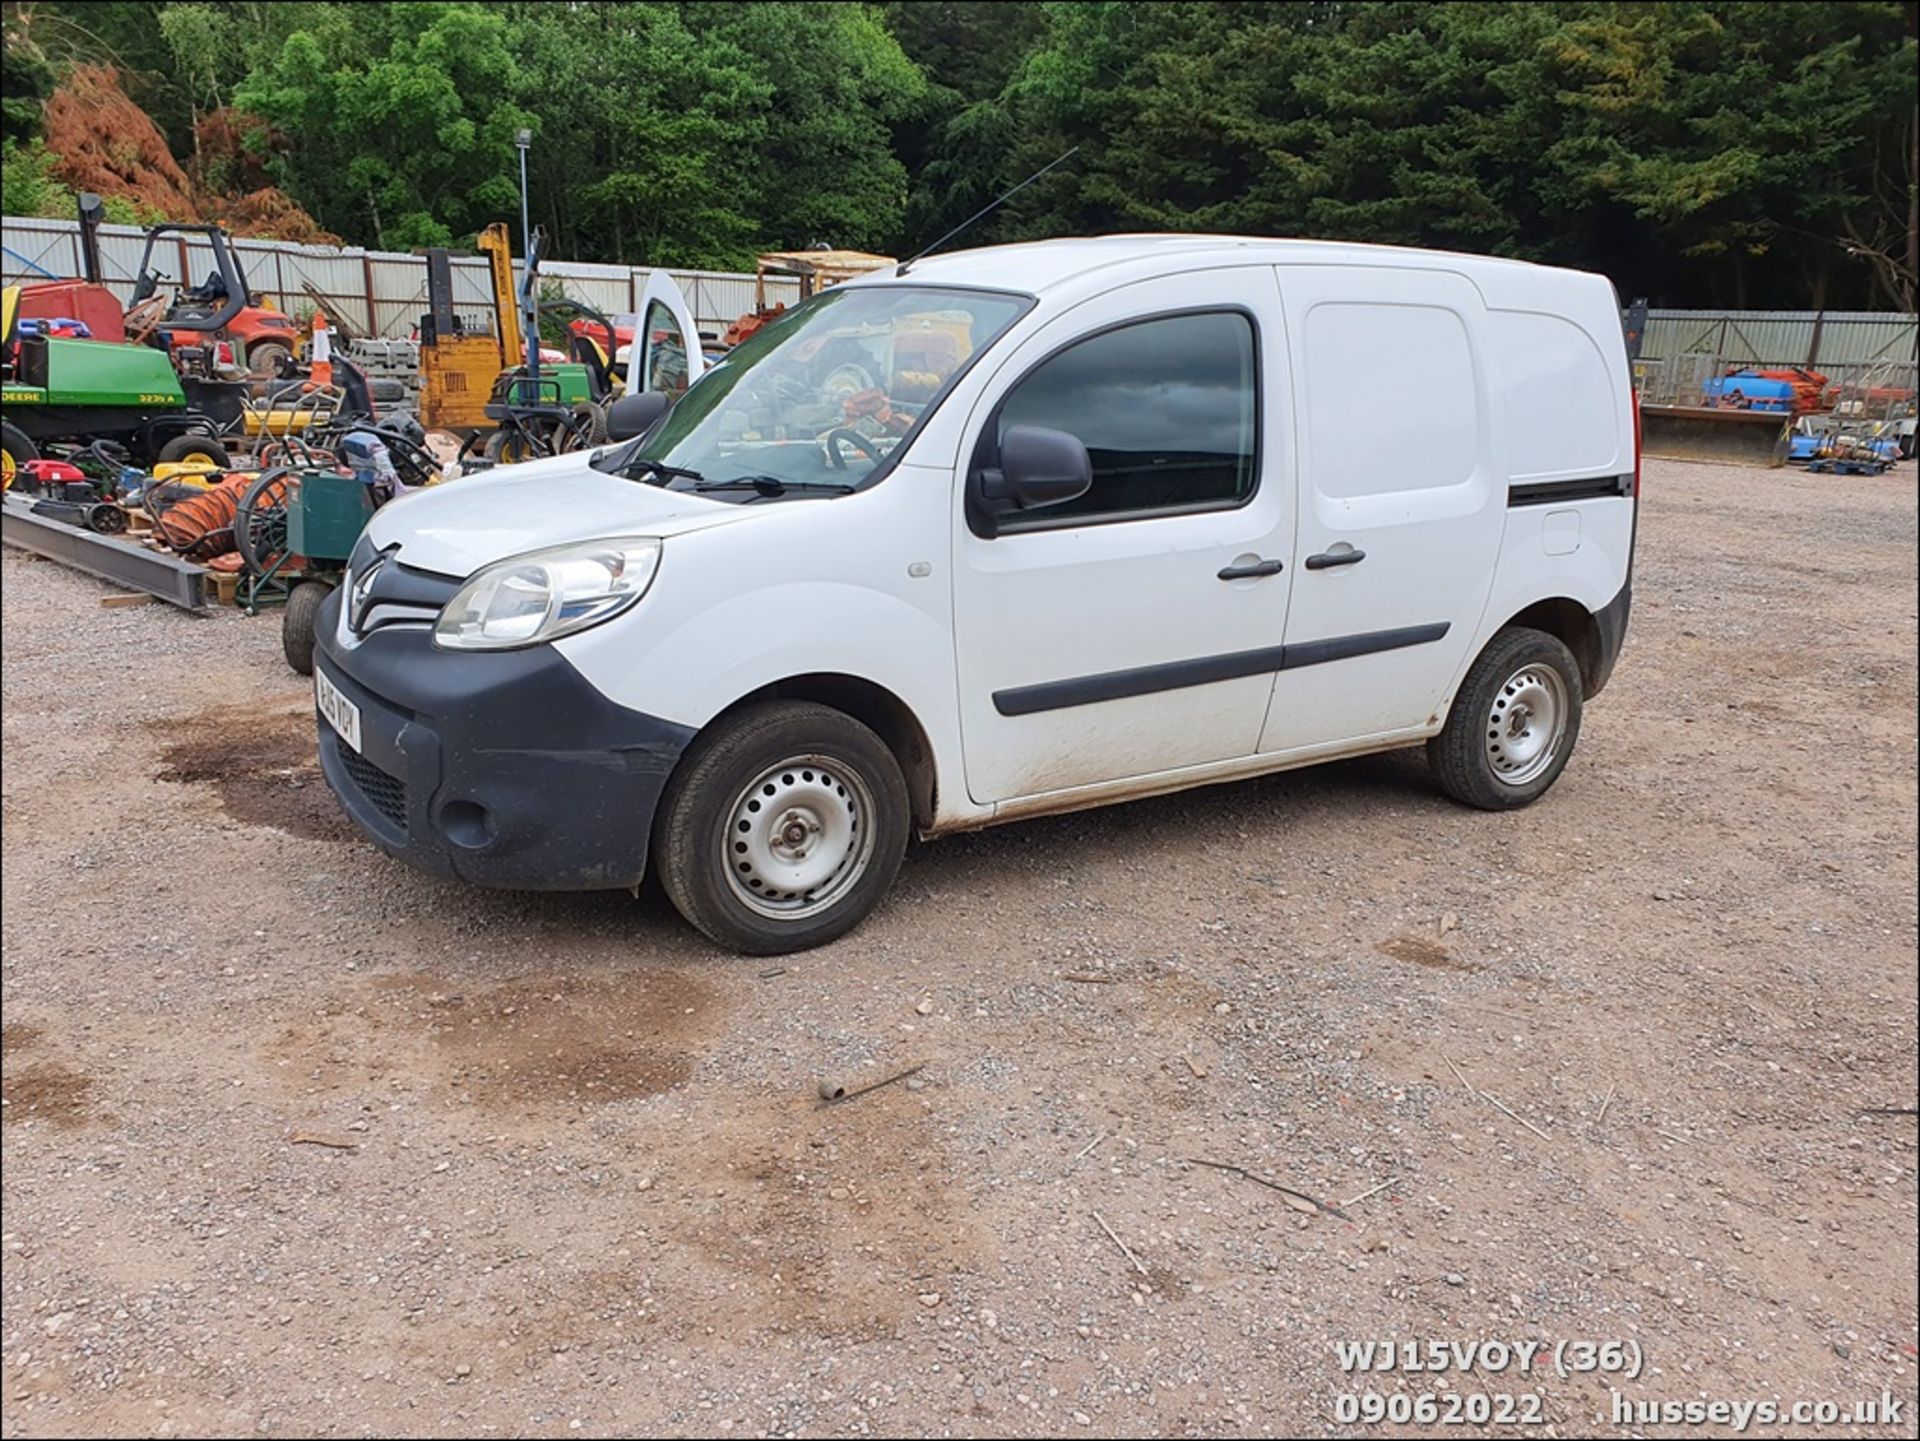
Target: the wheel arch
pixel 1574 626
pixel 874 706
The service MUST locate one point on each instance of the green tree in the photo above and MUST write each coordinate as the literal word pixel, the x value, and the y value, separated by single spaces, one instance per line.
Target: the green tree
pixel 825 170
pixel 405 116
pixel 1728 152
pixel 652 161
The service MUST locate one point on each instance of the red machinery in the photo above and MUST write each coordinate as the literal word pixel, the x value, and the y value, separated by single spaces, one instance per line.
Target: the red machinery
pixel 220 308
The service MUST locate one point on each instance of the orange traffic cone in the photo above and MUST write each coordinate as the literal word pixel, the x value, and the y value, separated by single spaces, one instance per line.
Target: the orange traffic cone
pixel 320 370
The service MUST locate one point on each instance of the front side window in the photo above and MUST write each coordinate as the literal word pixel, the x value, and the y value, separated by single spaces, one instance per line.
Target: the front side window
pixel 1166 408
pixel 821 397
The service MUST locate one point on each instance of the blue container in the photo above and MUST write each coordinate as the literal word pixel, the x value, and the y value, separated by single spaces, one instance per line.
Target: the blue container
pixel 1748 391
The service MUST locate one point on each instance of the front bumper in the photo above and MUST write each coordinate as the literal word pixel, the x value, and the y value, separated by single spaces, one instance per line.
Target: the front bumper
pixel 500 769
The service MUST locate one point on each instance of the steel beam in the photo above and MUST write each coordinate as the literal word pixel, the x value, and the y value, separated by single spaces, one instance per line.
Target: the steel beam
pixel 125 564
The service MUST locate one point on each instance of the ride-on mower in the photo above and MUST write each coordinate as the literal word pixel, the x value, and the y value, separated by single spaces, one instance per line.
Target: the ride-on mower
pixel 73 368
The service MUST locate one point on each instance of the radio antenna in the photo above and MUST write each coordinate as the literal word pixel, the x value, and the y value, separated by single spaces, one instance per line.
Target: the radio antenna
pixel 988 209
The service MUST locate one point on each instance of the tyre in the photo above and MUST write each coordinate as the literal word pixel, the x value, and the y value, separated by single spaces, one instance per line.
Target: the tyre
pixel 590 425
pixel 189 447
pixel 264 358
pixel 1513 724
pixel 260 522
pixel 782 828
pixel 15 451
pixel 508 447
pixel 297 623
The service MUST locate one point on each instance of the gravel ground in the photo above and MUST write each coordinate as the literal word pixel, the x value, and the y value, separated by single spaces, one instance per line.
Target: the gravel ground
pixel 297 1141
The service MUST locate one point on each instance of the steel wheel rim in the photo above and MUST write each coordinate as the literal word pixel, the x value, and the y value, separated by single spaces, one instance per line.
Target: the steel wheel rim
pixel 799 838
pixel 1527 726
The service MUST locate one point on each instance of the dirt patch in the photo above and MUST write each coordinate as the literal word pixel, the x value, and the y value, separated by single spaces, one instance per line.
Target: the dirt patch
pixel 262 764
pixel 48 1091
pixel 18 1036
pixel 522 1047
pixel 1430 954
pixel 558 1038
pixel 833 1221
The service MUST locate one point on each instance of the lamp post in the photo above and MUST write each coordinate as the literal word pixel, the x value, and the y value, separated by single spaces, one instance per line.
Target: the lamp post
pixel 523 139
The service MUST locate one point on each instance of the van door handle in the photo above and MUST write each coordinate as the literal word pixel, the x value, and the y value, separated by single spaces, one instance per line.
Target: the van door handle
pixel 1328 559
pixel 1252 569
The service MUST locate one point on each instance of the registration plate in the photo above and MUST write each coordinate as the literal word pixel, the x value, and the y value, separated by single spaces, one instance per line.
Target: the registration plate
pixel 336 710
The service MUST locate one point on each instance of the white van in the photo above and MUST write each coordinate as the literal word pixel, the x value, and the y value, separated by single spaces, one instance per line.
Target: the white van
pixel 997 534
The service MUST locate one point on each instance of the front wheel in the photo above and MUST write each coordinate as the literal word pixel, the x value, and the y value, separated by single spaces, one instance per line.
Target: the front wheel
pixel 1513 724
pixel 298 622
pixel 782 828
pixel 15 451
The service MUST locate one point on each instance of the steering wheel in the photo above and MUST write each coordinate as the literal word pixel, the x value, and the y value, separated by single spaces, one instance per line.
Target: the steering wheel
pixel 854 438
pixel 144 317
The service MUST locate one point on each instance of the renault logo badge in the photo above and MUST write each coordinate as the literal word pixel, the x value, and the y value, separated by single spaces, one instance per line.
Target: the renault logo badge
pixel 360 595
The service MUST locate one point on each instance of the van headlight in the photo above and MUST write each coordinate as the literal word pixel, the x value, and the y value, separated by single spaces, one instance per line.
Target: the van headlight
pixel 545 594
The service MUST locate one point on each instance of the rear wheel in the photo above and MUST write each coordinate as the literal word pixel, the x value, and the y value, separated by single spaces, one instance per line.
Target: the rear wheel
pixel 298 621
pixel 782 829
pixel 264 358
pixel 193 447
pixel 1513 724
pixel 15 451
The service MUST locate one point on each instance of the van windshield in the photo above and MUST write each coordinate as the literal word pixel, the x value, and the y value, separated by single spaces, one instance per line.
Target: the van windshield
pixel 818 398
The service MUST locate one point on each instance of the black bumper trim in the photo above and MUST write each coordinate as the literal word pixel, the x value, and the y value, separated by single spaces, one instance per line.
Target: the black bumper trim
pixel 1611 622
pixel 507 769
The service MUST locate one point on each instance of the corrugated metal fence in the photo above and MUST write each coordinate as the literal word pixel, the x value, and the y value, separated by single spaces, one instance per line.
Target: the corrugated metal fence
pixel 380 293
pixel 1856 350
pixel 1813 338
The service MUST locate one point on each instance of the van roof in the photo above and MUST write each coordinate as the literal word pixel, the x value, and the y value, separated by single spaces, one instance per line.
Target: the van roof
pixel 1042 265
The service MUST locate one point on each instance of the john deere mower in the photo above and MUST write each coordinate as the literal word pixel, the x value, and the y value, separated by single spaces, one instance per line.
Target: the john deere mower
pixel 63 383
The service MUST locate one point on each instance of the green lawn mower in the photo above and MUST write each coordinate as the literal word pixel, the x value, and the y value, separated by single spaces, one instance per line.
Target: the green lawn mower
pixel 68 392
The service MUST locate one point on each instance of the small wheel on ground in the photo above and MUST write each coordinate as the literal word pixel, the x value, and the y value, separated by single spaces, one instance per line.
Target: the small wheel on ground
pixel 298 621
pixel 16 449
pixel 1513 724
pixel 194 447
pixel 782 828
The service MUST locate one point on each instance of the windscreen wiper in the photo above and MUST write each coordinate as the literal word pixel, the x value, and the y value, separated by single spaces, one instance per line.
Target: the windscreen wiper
pixel 772 485
pixel 634 469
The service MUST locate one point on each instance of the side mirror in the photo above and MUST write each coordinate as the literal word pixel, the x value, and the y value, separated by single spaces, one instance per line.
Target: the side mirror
pixel 1038 467
pixel 636 413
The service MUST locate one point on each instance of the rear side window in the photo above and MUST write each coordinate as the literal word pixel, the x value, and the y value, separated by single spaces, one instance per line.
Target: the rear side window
pixel 1391 399
pixel 1167 409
